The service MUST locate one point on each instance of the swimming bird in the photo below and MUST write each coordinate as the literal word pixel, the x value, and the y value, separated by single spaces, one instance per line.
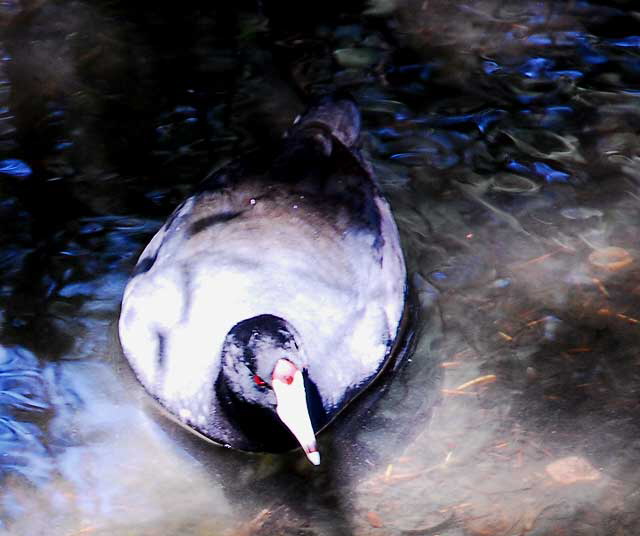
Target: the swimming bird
pixel 274 295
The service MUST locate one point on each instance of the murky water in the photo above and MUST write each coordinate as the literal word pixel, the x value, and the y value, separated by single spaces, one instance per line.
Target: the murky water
pixel 506 135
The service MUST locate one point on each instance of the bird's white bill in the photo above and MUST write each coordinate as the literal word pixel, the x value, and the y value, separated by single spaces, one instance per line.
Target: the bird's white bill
pixel 292 410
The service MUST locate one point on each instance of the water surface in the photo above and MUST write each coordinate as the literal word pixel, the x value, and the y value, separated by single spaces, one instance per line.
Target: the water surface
pixel 505 135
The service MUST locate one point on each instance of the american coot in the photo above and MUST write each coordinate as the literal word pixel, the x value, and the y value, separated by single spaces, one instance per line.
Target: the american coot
pixel 274 295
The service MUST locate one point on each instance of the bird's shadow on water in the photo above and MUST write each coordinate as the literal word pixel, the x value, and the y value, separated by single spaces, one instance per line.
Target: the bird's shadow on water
pixel 373 431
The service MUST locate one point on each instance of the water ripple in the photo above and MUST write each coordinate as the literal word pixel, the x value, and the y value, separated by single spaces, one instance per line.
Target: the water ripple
pixel 15 167
pixel 23 398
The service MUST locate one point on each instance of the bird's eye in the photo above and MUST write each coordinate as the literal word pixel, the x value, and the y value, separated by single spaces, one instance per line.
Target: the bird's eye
pixel 259 381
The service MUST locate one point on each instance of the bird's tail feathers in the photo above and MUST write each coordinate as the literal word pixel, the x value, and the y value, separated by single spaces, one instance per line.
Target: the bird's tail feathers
pixel 337 115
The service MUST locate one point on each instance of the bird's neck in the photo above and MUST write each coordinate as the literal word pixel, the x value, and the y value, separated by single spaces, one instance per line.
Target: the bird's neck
pixel 260 426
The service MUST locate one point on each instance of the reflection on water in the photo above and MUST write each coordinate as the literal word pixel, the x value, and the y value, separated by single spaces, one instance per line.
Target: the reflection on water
pixel 506 137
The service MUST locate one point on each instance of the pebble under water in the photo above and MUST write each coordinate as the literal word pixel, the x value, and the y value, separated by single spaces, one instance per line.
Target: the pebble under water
pixel 506 136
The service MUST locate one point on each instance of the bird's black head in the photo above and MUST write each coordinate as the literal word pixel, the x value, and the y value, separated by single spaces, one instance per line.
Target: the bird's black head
pixel 250 353
pixel 262 381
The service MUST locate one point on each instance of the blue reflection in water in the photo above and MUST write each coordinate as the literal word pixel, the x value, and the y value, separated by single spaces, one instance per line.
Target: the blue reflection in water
pixel 439 120
pixel 186 110
pixel 91 228
pixel 539 168
pixel 540 39
pixel 388 133
pixel 438 150
pixel 528 99
pixel 518 167
pixel 23 395
pixel 537 19
pixel 20 379
pixel 490 67
pixel 585 46
pixel 536 67
pixel 631 41
pixel 63 145
pixel 487 118
pixel 482 120
pixel 566 74
pixel 78 289
pixel 15 167
pixel 559 109
pixel 550 174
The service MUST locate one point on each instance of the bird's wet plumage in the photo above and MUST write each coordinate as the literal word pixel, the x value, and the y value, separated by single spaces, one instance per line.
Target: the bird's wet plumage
pixel 295 255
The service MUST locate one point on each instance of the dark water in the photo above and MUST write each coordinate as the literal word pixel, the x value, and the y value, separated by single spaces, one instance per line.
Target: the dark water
pixel 507 137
